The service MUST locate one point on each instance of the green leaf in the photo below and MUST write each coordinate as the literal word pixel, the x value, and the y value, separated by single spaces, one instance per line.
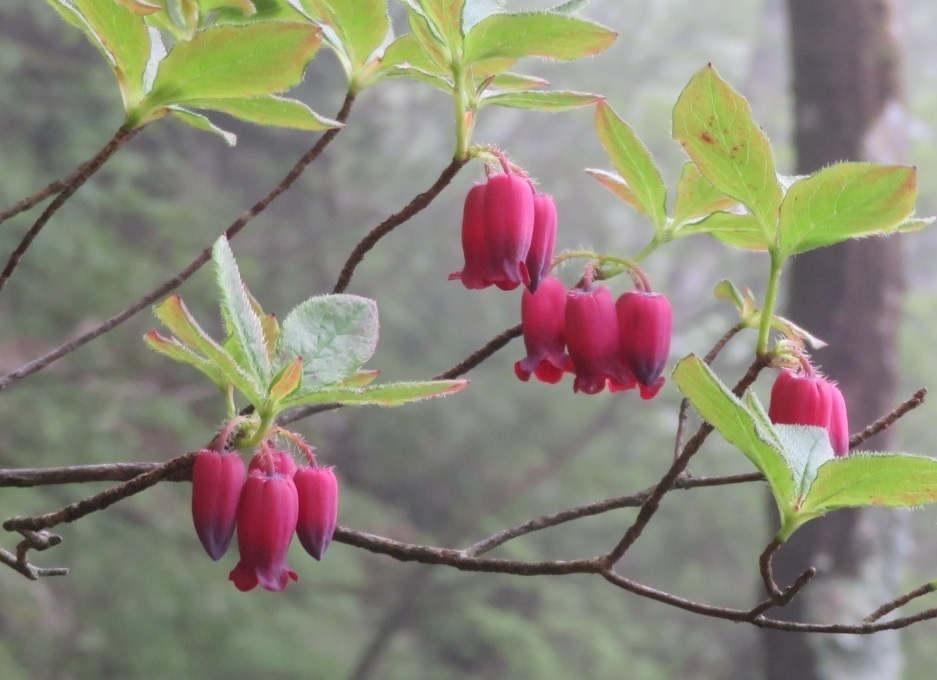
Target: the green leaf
pixel 428 38
pixel 476 10
pixel 361 378
pixel 515 81
pixel 915 224
pixel 122 37
pixel 571 7
pixel 894 480
pixel 200 122
pixel 238 312
pixel 633 162
pixel 535 34
pixel 269 110
pixel 697 197
pixel 334 334
pixel 391 394
pixel 245 7
pixel 176 351
pixel 714 125
pixel 742 427
pixel 287 381
pixel 617 185
pixel 446 16
pixel 734 229
pixel 407 57
pixel 845 201
pixel 172 312
pixel 805 449
pixel 550 100
pixel 360 26
pixel 230 62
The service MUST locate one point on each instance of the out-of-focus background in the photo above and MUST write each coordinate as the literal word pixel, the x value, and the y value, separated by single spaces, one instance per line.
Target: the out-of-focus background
pixel 144 601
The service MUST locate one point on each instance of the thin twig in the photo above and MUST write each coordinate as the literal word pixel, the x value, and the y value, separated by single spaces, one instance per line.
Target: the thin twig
pixel 419 202
pixel 901 601
pixel 767 573
pixel 888 419
pixel 121 137
pixel 164 288
pixel 50 189
pixel 667 482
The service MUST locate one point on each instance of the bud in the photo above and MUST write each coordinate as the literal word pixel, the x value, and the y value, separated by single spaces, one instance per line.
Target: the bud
pixel 592 340
pixel 509 224
pixel 645 324
pixel 283 463
pixel 543 240
pixel 475 273
pixel 266 521
pixel 318 508
pixel 810 399
pixel 543 320
pixel 217 480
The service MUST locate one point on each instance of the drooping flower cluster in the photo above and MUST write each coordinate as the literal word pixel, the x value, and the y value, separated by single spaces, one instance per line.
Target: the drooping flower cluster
pixel 508 234
pixel 620 345
pixel 266 503
pixel 804 397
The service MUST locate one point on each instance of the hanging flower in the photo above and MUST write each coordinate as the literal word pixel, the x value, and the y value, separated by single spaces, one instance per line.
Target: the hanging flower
pixel 217 481
pixel 317 488
pixel 645 324
pixel 807 398
pixel 475 273
pixel 543 240
pixel 592 340
pixel 543 320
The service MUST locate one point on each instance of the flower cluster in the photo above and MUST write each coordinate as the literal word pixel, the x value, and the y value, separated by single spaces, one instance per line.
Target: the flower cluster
pixel 804 397
pixel 509 239
pixel 266 502
pixel 621 344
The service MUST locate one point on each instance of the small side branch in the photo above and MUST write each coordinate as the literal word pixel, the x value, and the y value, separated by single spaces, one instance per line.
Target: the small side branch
pixel 888 419
pixel 901 601
pixel 419 202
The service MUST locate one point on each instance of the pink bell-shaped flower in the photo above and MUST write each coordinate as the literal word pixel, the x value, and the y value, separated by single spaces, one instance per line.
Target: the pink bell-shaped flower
pixel 543 240
pixel 318 508
pixel 645 324
pixel 509 224
pixel 474 239
pixel 283 463
pixel 543 320
pixel 592 340
pixel 266 521
pixel 808 398
pixel 217 481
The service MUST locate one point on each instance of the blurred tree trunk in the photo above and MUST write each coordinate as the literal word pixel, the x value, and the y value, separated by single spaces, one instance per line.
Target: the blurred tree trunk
pixel 845 59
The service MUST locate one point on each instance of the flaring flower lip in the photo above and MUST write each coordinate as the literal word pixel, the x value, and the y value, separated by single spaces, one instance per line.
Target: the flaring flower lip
pixel 217 481
pixel 266 521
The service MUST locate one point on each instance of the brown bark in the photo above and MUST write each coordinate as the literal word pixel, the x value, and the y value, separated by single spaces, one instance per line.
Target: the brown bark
pixel 847 107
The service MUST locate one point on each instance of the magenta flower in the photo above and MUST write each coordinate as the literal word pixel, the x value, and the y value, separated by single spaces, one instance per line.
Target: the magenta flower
pixel 543 320
pixel 217 480
pixel 645 324
pixel 592 340
pixel 543 240
pixel 318 508
pixel 509 224
pixel 475 273
pixel 283 463
pixel 807 398
pixel 266 521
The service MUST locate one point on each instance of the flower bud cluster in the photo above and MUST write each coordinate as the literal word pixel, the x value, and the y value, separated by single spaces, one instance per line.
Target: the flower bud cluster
pixel 620 345
pixel 266 503
pixel 804 397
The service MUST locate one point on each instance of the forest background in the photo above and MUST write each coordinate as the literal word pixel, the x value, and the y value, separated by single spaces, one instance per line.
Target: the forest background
pixel 142 600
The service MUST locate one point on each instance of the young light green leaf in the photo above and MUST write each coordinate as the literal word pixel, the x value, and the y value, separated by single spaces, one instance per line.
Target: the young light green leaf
pixel 571 7
pixel 121 36
pixel 697 197
pixel 515 81
pixel 805 449
pixel 714 125
pixel 245 7
pixel 549 100
pixel 238 312
pixel 176 351
pixel 535 34
pixel 227 62
pixel 476 10
pixel 173 312
pixel 633 162
pixel 287 381
pixel 361 27
pixel 894 480
pixel 428 38
pixel 743 427
pixel 269 110
pixel 446 16
pixel 734 229
pixel 391 394
pixel 143 7
pixel 617 185
pixel 361 378
pixel 334 334
pixel 844 201
pixel 915 224
pixel 200 122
